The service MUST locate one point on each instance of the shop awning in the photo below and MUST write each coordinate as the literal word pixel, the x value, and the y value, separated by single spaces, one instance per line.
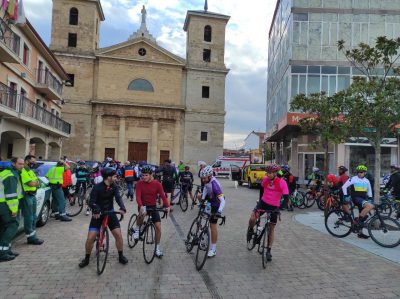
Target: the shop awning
pixel 287 128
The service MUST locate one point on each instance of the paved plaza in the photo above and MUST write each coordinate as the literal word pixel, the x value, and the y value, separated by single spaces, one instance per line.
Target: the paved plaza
pixel 306 263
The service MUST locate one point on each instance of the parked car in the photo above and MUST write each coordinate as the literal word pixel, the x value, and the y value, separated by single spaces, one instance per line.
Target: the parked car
pixel 251 174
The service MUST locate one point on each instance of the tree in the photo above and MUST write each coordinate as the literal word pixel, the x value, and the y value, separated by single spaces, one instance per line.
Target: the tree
pixel 372 103
pixel 323 118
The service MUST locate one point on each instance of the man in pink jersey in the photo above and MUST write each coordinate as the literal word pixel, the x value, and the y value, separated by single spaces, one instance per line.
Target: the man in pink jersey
pixel 274 189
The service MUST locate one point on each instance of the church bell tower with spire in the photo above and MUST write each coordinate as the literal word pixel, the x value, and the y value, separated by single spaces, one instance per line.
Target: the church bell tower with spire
pixel 205 85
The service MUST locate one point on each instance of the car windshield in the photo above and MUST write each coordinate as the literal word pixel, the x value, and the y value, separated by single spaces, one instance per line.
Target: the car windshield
pixel 40 168
pixel 257 168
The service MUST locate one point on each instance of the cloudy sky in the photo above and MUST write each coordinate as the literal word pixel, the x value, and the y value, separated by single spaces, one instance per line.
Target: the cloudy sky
pixel 246 46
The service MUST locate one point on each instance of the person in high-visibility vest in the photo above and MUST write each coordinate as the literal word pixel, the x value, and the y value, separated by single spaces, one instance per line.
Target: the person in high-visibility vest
pixel 30 183
pixel 10 194
pixel 55 177
pixel 129 175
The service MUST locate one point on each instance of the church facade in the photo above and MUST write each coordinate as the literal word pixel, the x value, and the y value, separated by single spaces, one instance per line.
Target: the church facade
pixel 136 100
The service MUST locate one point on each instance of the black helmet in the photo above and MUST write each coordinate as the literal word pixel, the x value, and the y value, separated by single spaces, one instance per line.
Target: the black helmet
pixel 107 171
pixel 147 169
pixel 343 168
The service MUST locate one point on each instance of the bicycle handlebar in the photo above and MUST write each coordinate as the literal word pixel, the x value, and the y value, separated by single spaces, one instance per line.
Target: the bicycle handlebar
pixel 113 212
pixel 162 210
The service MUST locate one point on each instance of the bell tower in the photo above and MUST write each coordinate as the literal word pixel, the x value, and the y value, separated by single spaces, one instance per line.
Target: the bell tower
pixel 205 85
pixel 76 26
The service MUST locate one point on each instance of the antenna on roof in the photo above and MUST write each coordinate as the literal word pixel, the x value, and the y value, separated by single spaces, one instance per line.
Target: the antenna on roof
pixel 206 6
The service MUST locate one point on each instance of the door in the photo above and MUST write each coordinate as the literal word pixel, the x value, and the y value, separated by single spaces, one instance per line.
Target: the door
pixel 164 155
pixel 137 151
pixel 109 152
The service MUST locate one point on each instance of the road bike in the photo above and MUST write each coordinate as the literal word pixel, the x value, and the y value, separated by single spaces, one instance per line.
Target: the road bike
pixel 199 234
pixel 384 231
pixel 196 193
pixel 332 201
pixel 147 233
pixel 260 236
pixel 296 199
pixel 103 242
pixel 313 196
pixel 182 196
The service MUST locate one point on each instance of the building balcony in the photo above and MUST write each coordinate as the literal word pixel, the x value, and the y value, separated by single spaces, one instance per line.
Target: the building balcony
pixel 9 44
pixel 13 105
pixel 48 84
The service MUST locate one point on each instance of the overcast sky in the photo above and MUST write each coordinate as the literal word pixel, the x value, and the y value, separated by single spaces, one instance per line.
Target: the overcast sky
pixel 246 46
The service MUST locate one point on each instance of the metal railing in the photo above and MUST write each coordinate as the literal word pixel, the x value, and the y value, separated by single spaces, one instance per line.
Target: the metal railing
pixel 45 77
pixel 26 107
pixel 9 38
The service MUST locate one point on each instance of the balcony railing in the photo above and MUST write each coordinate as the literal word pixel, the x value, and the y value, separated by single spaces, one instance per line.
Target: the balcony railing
pixel 26 107
pixel 9 38
pixel 46 78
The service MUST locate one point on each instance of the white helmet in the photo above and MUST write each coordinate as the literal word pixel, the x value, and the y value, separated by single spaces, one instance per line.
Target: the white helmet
pixel 315 169
pixel 206 171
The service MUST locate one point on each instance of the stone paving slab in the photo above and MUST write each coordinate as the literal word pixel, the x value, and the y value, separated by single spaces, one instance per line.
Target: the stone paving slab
pixel 315 220
pixel 306 263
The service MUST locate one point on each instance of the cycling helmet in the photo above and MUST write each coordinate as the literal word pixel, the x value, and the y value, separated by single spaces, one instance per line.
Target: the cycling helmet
pixel 343 168
pixel 108 171
pixel 206 171
pixel 395 166
pixel 331 178
pixel 147 169
pixel 315 169
pixel 81 162
pixel 142 163
pixel 95 165
pixel 280 173
pixel 127 163
pixel 272 168
pixel 361 168
pixel 285 168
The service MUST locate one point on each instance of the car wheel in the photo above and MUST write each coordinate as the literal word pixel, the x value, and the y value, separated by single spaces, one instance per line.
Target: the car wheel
pixel 44 214
pixel 249 184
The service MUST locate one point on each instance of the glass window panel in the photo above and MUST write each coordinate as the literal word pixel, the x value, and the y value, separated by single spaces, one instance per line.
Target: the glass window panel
pixel 302 84
pixel 343 82
pixel 332 85
pixel 296 32
pixel 304 33
pixel 313 85
pixel 295 85
pixel 314 69
pixel 325 33
pixel 356 71
pixel 299 69
pixel 325 84
pixel 300 17
pixel 329 70
pixel 343 70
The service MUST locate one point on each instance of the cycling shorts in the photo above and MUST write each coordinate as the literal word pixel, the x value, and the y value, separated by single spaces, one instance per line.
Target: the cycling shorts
pixel 359 202
pixel 113 223
pixel 214 219
pixel 187 187
pixel 168 186
pixel 261 205
pixel 155 215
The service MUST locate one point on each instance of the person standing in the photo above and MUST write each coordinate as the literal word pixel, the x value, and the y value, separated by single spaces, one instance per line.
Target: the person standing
pixel 129 175
pixel 181 167
pixel 30 183
pixel 55 177
pixel 168 179
pixel 10 194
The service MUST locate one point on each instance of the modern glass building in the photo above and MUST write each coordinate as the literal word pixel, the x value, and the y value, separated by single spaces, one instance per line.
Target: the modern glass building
pixel 303 58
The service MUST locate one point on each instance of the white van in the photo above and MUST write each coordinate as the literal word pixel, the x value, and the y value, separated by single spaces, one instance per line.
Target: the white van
pixel 222 166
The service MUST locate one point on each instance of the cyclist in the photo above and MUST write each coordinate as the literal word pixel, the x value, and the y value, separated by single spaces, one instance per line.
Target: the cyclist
pixel 129 175
pixel 147 191
pixel 291 183
pixel 394 182
pixel 343 177
pixel 168 178
pixel 96 174
pixel 213 193
pixel 186 179
pixel 332 182
pixel 315 179
pixel 274 189
pixel 361 194
pixel 82 173
pixel 101 200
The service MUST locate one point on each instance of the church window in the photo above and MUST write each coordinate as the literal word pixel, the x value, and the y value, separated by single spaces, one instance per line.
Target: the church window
pixel 207 33
pixel 73 16
pixel 71 80
pixel 204 136
pixel 205 92
pixel 72 37
pixel 207 55
pixel 141 85
pixel 142 52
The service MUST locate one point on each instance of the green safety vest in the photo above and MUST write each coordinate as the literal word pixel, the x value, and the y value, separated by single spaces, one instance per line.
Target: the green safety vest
pixel 55 175
pixel 26 177
pixel 11 199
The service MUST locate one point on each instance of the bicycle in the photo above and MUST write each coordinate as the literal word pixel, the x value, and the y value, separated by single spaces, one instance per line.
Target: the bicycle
pixel 296 199
pixel 261 233
pixel 103 242
pixel 147 233
pixel 183 200
pixel 332 202
pixel 340 225
pixel 199 235
pixel 196 193
pixel 312 196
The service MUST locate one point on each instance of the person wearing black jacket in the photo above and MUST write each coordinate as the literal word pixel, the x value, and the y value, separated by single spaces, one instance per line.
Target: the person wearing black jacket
pixel 169 176
pixel 186 179
pixel 102 200
pixel 394 181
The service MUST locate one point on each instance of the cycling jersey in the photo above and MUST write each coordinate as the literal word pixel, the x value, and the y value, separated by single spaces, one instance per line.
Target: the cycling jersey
pixel 273 191
pixel 343 179
pixel 186 177
pixel 146 193
pixel 290 181
pixel 102 198
pixel 394 182
pixel 213 192
pixel 360 187
pixel 81 173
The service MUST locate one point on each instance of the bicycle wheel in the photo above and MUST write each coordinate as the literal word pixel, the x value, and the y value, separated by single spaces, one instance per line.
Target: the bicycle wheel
pixel 385 209
pixel 384 231
pixel 264 244
pixel 309 200
pixel 102 246
pixel 192 236
pixel 301 200
pixel 336 225
pixel 74 205
pixel 183 202
pixel 328 206
pixel 132 223
pixel 252 243
pixel 149 243
pixel 202 248
pixel 321 202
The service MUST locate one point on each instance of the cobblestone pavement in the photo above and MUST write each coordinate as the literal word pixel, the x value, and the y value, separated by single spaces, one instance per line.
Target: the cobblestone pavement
pixel 306 263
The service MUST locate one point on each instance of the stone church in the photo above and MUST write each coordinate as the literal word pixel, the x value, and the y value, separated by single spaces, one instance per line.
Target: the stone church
pixel 136 100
